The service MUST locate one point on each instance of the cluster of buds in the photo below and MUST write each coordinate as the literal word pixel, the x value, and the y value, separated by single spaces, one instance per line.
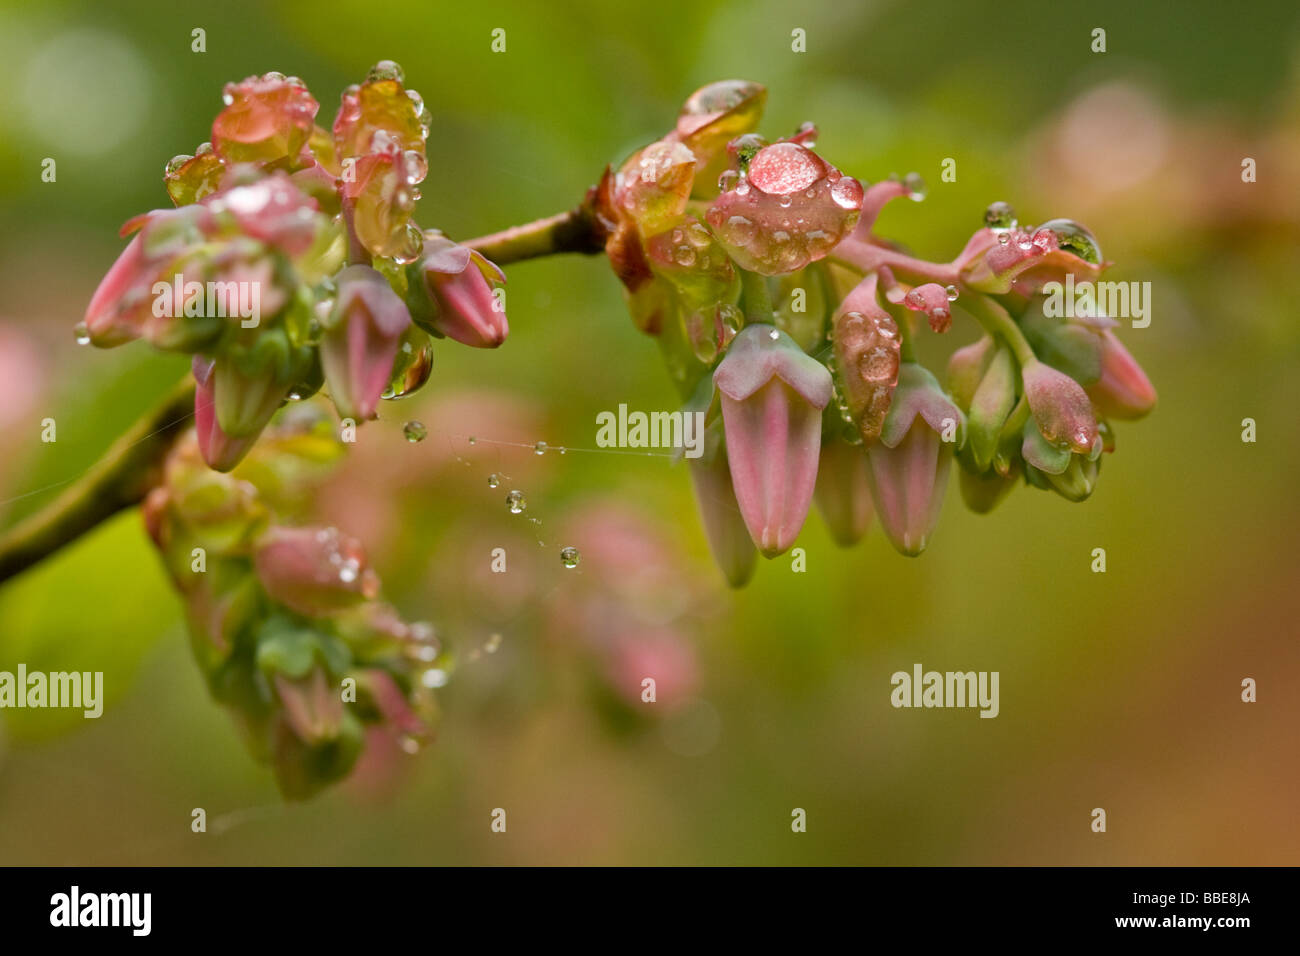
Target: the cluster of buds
pixel 285 620
pixel 292 261
pixel 790 324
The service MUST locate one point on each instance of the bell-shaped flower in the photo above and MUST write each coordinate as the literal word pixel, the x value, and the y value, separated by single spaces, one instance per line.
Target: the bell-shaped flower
pixel 314 571
pixel 1123 390
pixel 910 463
pixel 220 450
pixel 451 291
pixel 728 537
pixel 360 342
pixel 843 492
pixel 772 397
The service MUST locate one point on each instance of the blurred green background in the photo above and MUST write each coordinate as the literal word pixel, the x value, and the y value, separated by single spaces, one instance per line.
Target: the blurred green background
pixel 1118 690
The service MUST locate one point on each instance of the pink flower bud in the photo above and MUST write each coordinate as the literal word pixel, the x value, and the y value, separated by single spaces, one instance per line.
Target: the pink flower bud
pixel 451 293
pixel 843 492
pixel 909 466
pixel 1060 407
pixel 932 300
pixel 120 306
pixel 314 571
pixel 266 118
pixel 271 209
pixel 866 345
pixel 772 398
pixel 654 185
pixel 1124 390
pixel 123 303
pixel 360 343
pixel 380 105
pixel 220 451
pixel 790 208
pixel 907 485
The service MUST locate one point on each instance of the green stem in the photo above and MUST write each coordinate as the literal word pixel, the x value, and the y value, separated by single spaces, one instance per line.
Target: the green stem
pixel 133 465
pixel 997 323
pixel 757 298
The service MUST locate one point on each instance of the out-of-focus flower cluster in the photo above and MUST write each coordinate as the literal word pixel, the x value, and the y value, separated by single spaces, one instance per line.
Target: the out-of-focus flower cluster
pixel 783 317
pixel 285 620
pixel 293 261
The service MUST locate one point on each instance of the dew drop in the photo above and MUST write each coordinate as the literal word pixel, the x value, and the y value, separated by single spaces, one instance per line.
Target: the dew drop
pixel 414 431
pixel 492 644
pixel 494 480
pixel 540 448
pixel 472 439
pixel 570 557
pixel 915 186
pixel 999 216
pixel 1076 239
pixel 516 502
pixel 386 70
pixel 847 193
pixel 951 292
pixel 82 333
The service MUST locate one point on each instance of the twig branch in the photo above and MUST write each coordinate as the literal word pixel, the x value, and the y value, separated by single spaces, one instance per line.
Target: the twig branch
pixel 118 480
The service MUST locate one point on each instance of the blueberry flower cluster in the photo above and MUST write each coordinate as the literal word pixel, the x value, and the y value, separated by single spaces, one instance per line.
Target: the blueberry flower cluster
pixel 286 621
pixel 791 324
pixel 292 261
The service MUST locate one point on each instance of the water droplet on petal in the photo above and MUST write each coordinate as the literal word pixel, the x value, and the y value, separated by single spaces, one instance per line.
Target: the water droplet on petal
pixel 82 333
pixel 570 557
pixel 516 502
pixel 847 193
pixel 540 448
pixel 915 186
pixel 999 216
pixel 494 480
pixel 414 431
pixel 951 292
pixel 385 70
pixel 1075 239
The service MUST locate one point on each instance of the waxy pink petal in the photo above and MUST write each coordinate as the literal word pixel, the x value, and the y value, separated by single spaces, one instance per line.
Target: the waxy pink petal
pixel 1124 390
pixel 908 482
pixel 772 398
pixel 360 344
